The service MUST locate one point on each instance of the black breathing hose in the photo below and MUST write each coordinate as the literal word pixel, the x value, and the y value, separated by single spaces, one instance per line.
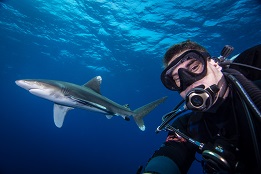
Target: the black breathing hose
pixel 254 93
pixel 250 95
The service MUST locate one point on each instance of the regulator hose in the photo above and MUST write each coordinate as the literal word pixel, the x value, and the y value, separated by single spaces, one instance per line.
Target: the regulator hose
pixel 254 93
pixel 250 95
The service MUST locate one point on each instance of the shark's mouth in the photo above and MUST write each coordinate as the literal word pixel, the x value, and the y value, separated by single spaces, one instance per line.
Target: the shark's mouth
pixel 37 91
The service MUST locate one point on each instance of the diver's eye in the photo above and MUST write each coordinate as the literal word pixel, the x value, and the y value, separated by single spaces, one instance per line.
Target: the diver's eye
pixel 176 80
pixel 194 66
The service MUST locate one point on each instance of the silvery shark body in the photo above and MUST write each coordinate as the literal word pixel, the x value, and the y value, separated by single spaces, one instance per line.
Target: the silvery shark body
pixel 67 96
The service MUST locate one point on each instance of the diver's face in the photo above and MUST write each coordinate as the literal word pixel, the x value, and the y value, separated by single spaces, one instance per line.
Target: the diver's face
pixel 192 65
pixel 190 69
pixel 184 69
pixel 213 76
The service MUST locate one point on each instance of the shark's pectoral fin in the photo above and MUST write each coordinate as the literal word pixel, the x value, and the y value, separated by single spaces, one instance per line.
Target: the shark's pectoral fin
pixel 109 116
pixel 59 113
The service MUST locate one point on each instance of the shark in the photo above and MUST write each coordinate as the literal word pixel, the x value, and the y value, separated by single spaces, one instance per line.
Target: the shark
pixel 67 96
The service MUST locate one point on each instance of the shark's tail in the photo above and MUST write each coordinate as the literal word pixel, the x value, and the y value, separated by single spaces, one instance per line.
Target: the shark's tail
pixel 144 110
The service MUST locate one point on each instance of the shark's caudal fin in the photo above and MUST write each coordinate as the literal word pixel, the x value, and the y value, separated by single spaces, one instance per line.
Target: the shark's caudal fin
pixel 144 110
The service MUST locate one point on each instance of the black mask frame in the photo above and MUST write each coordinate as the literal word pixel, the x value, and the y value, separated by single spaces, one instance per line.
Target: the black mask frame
pixel 186 77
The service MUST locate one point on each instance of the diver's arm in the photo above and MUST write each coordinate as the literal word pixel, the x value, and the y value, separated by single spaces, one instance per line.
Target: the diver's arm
pixel 171 157
pixel 161 165
pixel 176 155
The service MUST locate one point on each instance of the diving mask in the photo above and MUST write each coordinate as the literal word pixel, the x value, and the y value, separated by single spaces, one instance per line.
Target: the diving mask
pixel 185 70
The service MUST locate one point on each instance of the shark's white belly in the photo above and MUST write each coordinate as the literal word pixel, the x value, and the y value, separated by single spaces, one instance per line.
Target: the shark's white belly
pixel 66 101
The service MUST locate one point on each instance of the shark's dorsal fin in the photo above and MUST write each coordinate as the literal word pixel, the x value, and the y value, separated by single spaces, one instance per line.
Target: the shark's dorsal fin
pixel 94 84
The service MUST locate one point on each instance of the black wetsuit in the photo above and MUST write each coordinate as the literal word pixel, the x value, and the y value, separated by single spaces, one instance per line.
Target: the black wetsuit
pixel 228 125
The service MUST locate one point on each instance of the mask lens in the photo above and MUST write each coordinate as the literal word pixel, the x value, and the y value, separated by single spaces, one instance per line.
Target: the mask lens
pixel 192 62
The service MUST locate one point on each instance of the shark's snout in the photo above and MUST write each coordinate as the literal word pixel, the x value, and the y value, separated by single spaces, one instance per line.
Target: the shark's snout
pixel 27 84
pixel 23 84
pixel 18 82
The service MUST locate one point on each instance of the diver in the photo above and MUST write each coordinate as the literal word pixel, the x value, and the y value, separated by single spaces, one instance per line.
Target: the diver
pixel 219 116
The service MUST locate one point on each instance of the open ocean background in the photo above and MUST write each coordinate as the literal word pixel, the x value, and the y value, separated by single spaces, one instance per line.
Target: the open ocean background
pixel 124 42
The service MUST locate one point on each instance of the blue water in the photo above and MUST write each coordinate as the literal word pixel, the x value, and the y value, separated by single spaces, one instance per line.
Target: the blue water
pixel 124 42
